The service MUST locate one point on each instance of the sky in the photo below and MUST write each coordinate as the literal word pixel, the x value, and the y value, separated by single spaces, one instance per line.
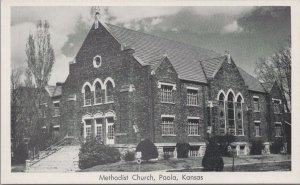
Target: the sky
pixel 248 33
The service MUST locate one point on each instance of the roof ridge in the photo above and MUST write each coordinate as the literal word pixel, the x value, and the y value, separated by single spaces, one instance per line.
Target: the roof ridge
pixel 212 58
pixel 186 44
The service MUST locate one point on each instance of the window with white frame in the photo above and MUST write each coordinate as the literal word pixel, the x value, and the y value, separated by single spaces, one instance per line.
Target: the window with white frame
pixel 110 128
pixel 193 126
pixel 56 106
pixel 109 92
pixel 278 129
pixel 276 106
pixel 87 96
pixel 167 126
pixel 230 113
pixel 166 94
pixel 98 128
pixel 97 60
pixel 88 129
pixel 257 128
pixel 98 93
pixel 192 97
pixel 256 103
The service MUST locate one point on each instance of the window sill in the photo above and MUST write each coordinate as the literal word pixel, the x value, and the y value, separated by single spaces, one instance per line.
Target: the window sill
pixel 168 135
pixel 258 136
pixel 108 102
pixel 241 135
pixel 192 105
pixel 98 103
pixel 277 113
pixel 86 105
pixel 56 116
pixel 193 135
pixel 278 136
pixel 256 111
pixel 172 103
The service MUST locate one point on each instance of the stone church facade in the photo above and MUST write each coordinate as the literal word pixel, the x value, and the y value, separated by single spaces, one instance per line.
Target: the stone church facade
pixel 124 86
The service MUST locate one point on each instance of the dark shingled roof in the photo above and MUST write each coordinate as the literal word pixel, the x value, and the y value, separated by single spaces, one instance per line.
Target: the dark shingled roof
pixel 150 50
pixel 252 83
pixel 184 58
pixel 53 90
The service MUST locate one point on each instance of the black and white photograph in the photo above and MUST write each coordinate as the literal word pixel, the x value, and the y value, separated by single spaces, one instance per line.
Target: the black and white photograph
pixel 149 94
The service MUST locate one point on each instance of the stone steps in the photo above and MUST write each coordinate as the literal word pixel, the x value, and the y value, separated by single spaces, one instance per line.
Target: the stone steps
pixel 64 160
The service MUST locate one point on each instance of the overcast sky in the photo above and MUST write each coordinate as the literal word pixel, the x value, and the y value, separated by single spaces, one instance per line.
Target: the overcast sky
pixel 248 33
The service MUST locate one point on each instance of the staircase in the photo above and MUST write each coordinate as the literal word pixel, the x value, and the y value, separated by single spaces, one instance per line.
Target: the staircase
pixel 56 158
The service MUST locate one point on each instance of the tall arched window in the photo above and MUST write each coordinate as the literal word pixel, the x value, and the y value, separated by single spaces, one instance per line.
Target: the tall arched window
pixel 239 115
pixel 109 92
pixel 221 111
pixel 230 113
pixel 87 95
pixel 98 93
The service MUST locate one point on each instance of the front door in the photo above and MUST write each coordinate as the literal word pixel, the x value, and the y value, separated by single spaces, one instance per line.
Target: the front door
pixel 110 138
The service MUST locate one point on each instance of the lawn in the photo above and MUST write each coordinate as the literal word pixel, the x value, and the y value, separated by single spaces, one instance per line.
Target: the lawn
pixel 188 163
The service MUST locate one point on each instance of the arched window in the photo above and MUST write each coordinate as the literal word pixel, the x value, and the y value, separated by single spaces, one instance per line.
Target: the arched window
pixel 221 99
pixel 87 95
pixel 230 113
pixel 98 93
pixel 109 92
pixel 239 114
pixel 239 102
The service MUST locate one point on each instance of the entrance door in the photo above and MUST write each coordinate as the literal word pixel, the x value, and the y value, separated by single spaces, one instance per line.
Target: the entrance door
pixel 110 138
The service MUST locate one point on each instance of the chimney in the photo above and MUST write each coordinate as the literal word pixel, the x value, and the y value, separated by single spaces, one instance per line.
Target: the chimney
pixel 228 57
pixel 97 19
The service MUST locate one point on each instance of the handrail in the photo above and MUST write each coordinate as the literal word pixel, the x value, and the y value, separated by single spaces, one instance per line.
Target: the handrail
pixel 50 148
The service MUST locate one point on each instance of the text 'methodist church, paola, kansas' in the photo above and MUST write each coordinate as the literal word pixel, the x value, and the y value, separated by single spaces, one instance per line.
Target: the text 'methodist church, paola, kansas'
pixel 124 86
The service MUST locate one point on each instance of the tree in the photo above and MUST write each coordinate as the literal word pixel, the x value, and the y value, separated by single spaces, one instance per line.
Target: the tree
pixel 40 54
pixel 212 160
pixel 278 68
pixel 40 60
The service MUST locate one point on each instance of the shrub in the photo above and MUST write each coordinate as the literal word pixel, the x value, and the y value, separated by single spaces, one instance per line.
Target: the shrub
pixel 183 150
pixel 212 160
pixel 167 156
pixel 94 153
pixel 256 147
pixel 20 154
pixel 276 147
pixel 148 149
pixel 129 156
pixel 224 142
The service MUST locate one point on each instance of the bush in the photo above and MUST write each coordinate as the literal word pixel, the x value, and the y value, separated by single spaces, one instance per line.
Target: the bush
pixel 183 150
pixel 148 149
pixel 212 160
pixel 129 156
pixel 276 147
pixel 94 153
pixel 256 147
pixel 167 156
pixel 20 154
pixel 224 142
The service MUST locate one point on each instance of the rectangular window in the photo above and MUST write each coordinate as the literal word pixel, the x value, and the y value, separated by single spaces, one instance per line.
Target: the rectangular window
pixel 42 110
pixel 99 123
pixel 169 151
pixel 167 94
pixel 194 151
pixel 56 106
pixel 192 97
pixel 168 126
pixel 276 106
pixel 88 129
pixel 256 104
pixel 257 129
pixel 277 129
pixel 193 127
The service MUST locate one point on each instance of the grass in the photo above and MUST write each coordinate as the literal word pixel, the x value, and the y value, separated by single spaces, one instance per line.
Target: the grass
pixel 189 163
pixel 278 166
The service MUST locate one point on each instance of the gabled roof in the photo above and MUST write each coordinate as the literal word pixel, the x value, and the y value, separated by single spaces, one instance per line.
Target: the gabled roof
pixel 267 86
pixel 184 58
pixel 150 50
pixel 252 83
pixel 53 91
